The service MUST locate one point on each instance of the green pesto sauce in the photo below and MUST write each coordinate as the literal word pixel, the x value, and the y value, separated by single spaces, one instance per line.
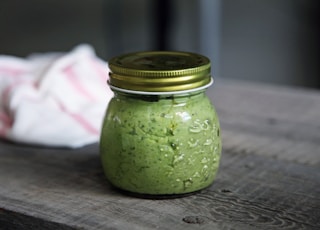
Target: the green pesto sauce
pixel 165 146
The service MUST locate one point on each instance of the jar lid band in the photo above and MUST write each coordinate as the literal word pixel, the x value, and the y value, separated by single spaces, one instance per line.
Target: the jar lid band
pixel 161 93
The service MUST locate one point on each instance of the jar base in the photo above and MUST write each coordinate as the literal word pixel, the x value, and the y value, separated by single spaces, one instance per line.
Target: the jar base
pixel 157 196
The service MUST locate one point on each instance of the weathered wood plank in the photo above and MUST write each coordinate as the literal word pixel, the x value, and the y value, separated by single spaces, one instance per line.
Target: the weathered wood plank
pixel 16 221
pixel 67 187
pixel 270 120
pixel 269 176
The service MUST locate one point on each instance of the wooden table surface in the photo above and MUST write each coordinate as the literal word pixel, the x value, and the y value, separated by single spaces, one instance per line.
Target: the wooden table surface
pixel 269 176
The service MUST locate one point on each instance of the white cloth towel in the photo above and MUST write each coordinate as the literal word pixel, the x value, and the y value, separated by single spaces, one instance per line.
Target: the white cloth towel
pixel 53 99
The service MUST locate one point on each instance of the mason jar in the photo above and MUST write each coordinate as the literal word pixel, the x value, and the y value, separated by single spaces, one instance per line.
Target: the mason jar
pixel 161 134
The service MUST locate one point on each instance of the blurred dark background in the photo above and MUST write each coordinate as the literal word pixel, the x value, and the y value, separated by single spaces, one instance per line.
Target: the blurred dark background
pixel 274 41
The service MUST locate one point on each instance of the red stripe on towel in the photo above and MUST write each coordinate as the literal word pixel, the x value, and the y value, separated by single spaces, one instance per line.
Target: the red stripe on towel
pixel 84 123
pixel 73 79
pixel 8 89
pixel 81 120
pixel 5 119
pixel 11 71
pixel 6 124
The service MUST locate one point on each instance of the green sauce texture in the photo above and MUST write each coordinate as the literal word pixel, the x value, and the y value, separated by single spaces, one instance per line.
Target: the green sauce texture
pixel 161 146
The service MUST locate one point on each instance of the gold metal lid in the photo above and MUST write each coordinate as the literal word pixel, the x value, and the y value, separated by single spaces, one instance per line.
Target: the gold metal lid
pixel 159 72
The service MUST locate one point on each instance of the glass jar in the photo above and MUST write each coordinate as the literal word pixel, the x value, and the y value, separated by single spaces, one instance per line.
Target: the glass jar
pixel 161 134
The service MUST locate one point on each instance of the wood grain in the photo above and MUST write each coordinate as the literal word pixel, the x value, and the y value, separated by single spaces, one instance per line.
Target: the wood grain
pixel 15 221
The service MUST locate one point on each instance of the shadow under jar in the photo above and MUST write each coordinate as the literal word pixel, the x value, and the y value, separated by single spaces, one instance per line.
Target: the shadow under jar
pixel 161 134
